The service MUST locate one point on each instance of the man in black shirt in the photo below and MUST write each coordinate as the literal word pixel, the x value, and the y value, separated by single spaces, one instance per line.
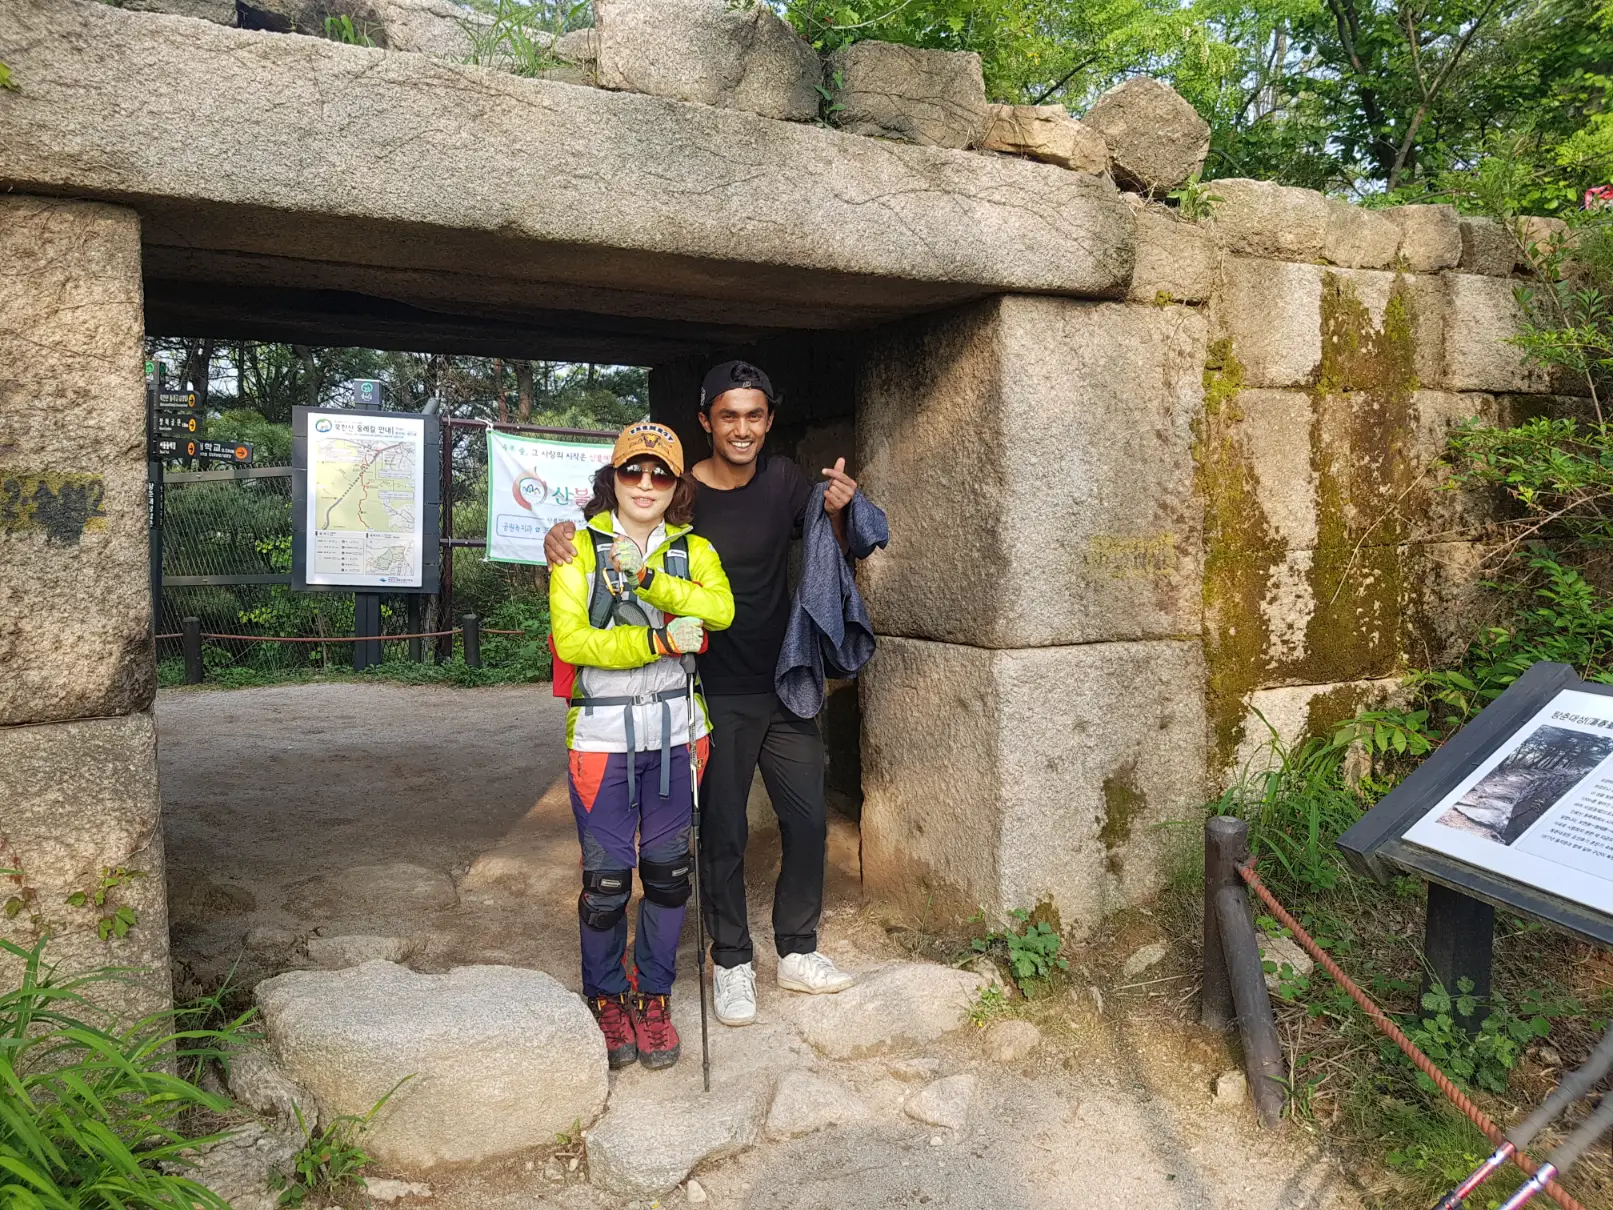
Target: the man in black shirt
pixel 749 506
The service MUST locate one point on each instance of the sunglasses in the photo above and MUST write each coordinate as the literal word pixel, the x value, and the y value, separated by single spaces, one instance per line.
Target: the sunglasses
pixel 632 474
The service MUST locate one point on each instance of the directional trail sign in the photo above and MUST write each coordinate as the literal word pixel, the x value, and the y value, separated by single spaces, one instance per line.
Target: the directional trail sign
pixel 174 401
pixel 237 454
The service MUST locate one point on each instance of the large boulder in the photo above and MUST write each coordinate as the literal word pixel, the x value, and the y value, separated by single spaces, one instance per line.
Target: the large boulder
pixel 890 1008
pixel 496 1059
pixel 1047 133
pixel 427 27
pixel 708 52
pixel 1156 139
pixel 932 97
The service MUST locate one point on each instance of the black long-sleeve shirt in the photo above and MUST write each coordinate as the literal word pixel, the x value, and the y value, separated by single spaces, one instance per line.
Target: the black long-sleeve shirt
pixel 752 527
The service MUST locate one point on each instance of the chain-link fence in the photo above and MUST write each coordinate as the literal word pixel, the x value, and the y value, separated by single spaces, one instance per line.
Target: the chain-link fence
pixel 226 560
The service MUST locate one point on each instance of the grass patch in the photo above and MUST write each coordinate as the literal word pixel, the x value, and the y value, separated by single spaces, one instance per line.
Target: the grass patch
pixel 93 1116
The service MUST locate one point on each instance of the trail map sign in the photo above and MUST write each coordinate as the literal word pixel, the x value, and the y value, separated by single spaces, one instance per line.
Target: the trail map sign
pixel 1516 809
pixel 531 484
pixel 364 500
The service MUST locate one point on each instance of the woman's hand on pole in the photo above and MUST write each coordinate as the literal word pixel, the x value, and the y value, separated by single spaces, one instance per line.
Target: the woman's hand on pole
pixel 680 636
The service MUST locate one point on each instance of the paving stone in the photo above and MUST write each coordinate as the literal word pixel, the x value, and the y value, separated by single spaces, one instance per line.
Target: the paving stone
pixel 1011 1041
pixel 804 1103
pixel 944 1103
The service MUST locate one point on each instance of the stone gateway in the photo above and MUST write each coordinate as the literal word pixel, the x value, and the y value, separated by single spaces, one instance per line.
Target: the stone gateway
pixel 1142 472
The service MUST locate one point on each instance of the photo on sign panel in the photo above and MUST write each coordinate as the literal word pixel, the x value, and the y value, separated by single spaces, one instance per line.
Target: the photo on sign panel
pixel 1534 776
pixel 1538 808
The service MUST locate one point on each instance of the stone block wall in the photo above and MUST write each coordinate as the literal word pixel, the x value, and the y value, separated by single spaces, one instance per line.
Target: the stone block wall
pixel 1344 347
pixel 1036 710
pixel 78 776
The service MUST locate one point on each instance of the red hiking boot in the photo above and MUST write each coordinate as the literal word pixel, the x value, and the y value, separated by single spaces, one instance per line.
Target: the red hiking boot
pixel 618 1023
pixel 658 1045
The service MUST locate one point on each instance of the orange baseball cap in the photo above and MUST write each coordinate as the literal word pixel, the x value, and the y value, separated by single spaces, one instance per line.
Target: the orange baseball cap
pixel 647 437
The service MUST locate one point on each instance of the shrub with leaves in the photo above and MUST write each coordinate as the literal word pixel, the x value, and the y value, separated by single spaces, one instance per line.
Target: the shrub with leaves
pixel 90 1113
pixel 1032 949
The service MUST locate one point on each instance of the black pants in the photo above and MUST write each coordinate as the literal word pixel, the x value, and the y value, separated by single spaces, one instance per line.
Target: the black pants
pixel 748 729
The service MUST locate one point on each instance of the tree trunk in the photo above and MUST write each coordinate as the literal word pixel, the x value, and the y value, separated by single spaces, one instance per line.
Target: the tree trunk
pixel 523 382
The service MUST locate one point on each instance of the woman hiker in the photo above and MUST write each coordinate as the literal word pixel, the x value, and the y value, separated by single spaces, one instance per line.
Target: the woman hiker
pixel 639 596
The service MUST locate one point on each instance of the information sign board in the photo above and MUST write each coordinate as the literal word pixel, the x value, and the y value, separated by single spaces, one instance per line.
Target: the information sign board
pixel 532 483
pixel 1516 809
pixel 365 499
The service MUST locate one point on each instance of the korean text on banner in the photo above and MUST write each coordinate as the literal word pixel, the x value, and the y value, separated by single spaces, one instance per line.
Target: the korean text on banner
pixel 532 484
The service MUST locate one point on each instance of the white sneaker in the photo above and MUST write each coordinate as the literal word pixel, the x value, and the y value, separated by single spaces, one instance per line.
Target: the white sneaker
pixel 812 973
pixel 734 993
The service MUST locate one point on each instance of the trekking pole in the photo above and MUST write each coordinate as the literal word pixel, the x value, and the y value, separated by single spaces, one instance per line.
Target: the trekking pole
pixel 1578 1143
pixel 694 850
pixel 1572 1086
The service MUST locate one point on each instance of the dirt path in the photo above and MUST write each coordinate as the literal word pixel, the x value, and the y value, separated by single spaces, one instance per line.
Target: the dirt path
pixel 439 816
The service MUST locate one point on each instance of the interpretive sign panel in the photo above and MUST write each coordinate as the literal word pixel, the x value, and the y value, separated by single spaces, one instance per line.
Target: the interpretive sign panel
pixel 364 488
pixel 532 483
pixel 1516 809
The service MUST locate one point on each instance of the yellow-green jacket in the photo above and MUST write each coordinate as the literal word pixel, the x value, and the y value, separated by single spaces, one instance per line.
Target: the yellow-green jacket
pixel 617 661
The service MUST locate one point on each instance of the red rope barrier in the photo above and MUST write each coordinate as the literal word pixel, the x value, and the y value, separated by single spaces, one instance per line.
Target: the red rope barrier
pixel 269 638
pixel 1394 1033
pixel 169 636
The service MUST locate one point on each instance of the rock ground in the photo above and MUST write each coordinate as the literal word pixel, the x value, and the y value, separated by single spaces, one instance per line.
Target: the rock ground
pixel 331 778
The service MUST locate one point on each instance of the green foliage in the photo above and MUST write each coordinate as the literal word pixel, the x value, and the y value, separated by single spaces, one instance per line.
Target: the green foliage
pixel 1358 96
pixel 8 82
pixel 341 28
pixel 114 919
pixel 1483 1060
pixel 518 36
pixel 1557 615
pixel 331 1157
pixel 1296 807
pixel 1196 199
pixel 991 1005
pixel 90 1114
pixel 1032 948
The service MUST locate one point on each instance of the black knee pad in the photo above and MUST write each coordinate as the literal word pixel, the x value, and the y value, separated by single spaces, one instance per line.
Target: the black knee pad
pixel 667 883
pixel 604 896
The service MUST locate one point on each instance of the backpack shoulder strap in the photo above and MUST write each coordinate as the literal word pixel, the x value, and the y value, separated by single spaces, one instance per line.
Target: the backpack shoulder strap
pixel 676 562
pixel 600 599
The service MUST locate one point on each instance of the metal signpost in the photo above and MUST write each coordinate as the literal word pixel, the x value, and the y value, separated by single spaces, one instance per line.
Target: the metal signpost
pixel 1514 811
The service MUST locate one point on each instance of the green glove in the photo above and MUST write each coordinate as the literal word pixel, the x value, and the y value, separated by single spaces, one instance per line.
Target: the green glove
pixel 680 636
pixel 626 557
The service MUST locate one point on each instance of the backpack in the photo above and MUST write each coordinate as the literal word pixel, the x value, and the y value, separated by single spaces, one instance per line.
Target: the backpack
pixel 611 599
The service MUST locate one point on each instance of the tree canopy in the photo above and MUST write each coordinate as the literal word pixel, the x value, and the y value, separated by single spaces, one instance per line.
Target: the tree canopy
pixel 1369 98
